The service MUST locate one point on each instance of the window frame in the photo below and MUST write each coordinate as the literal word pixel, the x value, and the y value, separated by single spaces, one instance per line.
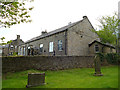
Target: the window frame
pixel 41 51
pixel 60 47
pixel 24 50
pixel 11 47
pixel 51 46
pixel 96 46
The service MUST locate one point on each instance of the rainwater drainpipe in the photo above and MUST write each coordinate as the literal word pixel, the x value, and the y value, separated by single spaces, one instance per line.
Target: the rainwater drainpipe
pixel 66 42
pixel 119 28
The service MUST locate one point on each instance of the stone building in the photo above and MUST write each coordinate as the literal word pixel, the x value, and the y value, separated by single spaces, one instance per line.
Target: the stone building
pixel 71 40
pixel 96 46
pixel 10 49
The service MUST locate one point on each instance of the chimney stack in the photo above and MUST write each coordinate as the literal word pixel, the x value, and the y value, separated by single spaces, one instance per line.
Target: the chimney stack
pixel 44 32
pixel 18 37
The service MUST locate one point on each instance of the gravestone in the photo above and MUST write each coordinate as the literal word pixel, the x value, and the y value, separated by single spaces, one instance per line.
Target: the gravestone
pixel 36 79
pixel 97 63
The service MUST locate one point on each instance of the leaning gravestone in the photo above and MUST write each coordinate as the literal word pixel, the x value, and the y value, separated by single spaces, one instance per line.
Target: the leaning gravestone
pixel 36 79
pixel 97 64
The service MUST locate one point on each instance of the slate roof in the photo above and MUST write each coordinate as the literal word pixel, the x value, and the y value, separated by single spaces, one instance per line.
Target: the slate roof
pixel 105 44
pixel 15 42
pixel 54 32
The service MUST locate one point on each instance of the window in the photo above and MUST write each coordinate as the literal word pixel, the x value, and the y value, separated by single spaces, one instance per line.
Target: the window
pixel 0 51
pixel 28 47
pixel 21 50
pixel 51 47
pixel 24 51
pixel 96 48
pixel 29 52
pixel 15 48
pixel 41 48
pixel 11 47
pixel 59 45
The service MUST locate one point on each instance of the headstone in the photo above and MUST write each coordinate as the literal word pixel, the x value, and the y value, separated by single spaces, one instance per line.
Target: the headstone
pixel 97 63
pixel 36 79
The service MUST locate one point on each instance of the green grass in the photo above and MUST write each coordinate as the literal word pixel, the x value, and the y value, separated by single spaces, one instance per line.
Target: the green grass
pixel 74 78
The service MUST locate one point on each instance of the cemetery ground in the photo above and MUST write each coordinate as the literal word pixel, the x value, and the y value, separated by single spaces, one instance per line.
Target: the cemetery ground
pixel 72 78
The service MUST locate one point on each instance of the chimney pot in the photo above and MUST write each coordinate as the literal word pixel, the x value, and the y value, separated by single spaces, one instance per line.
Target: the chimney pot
pixel 84 17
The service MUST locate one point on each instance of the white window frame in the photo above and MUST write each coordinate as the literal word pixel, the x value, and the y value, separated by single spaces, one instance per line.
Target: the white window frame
pixel 41 46
pixel 60 48
pixel 24 50
pixel 51 45
pixel 11 47
pixel 0 51
pixel 29 47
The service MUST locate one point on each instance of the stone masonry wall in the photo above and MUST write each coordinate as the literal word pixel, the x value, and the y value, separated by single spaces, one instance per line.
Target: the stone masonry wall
pixel 13 64
pixel 79 36
pixel 45 41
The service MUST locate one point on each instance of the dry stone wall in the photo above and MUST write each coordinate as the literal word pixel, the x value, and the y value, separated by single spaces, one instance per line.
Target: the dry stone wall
pixel 14 64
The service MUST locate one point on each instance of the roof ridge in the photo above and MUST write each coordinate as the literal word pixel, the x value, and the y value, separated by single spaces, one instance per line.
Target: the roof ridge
pixel 54 31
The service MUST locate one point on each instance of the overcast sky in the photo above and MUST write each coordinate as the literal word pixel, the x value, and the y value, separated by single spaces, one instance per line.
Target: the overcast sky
pixel 52 14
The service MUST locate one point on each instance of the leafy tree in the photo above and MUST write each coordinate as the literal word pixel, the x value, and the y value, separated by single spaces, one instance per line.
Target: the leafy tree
pixel 3 43
pixel 108 29
pixel 13 12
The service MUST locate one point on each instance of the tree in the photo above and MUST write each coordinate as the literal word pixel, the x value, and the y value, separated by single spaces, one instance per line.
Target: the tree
pixel 3 43
pixel 13 13
pixel 108 29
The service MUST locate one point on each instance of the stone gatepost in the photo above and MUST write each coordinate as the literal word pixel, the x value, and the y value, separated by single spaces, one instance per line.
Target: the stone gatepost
pixel 97 64
pixel 36 79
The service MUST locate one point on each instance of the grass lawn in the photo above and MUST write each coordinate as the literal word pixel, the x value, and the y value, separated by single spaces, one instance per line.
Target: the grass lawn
pixel 73 78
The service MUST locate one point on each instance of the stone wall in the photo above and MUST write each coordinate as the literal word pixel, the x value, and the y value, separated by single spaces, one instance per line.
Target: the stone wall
pixel 45 41
pixel 78 38
pixel 13 64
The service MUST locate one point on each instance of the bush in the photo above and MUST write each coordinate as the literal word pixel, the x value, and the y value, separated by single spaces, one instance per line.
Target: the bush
pixel 15 53
pixel 112 58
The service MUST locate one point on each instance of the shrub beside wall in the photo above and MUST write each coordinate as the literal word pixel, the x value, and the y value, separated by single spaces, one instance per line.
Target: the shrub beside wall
pixel 13 64
pixel 111 58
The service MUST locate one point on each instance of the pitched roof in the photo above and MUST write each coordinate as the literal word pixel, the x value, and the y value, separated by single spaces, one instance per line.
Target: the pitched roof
pixel 15 41
pixel 105 44
pixel 54 32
